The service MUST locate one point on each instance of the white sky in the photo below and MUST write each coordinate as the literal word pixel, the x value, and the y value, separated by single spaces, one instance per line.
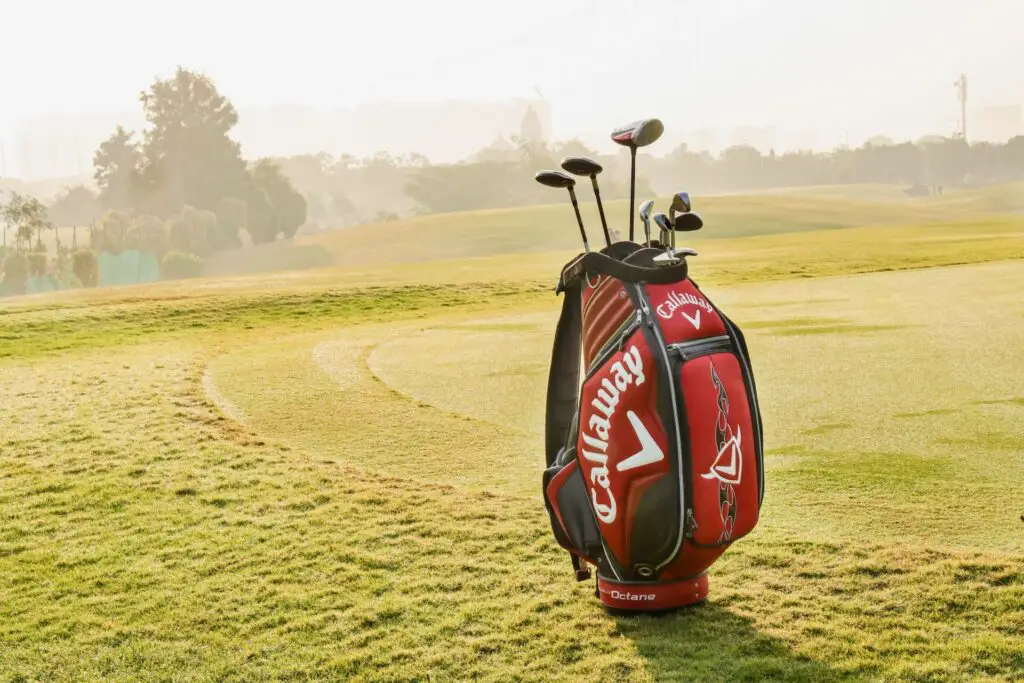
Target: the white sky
pixel 886 66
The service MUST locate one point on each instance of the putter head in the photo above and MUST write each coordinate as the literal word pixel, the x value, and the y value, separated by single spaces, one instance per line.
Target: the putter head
pixel 554 179
pixel 645 210
pixel 581 166
pixel 687 222
pixel 680 203
pixel 638 133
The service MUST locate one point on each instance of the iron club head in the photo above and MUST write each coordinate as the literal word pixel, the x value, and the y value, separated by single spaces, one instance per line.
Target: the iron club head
pixel 645 216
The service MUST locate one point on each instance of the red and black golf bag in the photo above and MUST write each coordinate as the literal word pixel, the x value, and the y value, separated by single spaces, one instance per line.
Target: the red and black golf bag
pixel 653 432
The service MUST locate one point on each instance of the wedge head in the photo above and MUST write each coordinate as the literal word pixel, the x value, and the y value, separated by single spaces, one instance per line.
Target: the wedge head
pixel 661 220
pixel 645 210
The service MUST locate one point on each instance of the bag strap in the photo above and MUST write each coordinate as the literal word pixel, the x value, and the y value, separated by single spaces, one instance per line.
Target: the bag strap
pixel 564 375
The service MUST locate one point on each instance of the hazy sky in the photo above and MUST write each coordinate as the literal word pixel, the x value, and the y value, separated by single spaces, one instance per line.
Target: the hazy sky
pixel 883 65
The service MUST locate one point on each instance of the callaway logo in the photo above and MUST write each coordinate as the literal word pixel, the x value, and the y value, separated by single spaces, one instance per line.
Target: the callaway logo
pixel 675 301
pixel 629 371
pixel 728 465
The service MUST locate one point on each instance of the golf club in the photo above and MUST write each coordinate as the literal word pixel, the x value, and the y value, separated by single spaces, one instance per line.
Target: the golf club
pixel 680 203
pixel 558 179
pixel 587 167
pixel 645 216
pixel 687 222
pixel 634 135
pixel 665 226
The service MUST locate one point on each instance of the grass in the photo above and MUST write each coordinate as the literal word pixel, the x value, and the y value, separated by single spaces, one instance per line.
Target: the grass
pixel 551 227
pixel 333 475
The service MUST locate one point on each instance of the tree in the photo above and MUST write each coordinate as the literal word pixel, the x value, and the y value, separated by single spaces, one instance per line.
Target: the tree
pixel 572 148
pixel 149 234
pixel 113 233
pixel 232 217
pixel 263 222
pixel 289 205
pixel 28 216
pixel 75 206
pixel 85 267
pixel 116 172
pixel 190 231
pixel 188 158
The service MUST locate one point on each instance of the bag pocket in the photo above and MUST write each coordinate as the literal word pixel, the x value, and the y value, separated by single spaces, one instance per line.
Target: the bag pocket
pixel 724 468
pixel 572 520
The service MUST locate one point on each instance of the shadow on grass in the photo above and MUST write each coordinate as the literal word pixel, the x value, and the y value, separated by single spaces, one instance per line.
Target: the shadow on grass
pixel 710 643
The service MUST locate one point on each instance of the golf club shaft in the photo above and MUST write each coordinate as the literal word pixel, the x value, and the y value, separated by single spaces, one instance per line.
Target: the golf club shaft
pixel 632 188
pixel 579 219
pixel 600 210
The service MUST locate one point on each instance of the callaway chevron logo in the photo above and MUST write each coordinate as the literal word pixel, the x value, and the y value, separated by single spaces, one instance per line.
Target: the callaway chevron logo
pixel 621 376
pixel 675 302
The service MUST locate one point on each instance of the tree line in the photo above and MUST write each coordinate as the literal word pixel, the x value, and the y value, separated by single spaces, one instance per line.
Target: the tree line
pixel 180 191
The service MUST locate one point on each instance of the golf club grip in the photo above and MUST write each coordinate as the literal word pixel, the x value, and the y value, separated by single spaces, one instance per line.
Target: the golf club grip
pixel 596 263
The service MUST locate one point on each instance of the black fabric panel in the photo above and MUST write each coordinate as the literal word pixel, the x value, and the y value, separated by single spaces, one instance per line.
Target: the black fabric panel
pixel 564 375
pixel 574 504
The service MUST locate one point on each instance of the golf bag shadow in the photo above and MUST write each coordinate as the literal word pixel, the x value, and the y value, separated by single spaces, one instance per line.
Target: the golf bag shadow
pixel 653 432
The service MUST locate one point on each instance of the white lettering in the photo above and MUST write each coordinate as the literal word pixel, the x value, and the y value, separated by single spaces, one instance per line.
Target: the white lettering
pixel 674 301
pixel 625 373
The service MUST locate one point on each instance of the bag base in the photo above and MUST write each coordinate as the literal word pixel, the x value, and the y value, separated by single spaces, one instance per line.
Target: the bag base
pixel 631 598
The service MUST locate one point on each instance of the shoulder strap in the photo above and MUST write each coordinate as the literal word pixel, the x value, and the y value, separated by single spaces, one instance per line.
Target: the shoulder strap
pixel 564 375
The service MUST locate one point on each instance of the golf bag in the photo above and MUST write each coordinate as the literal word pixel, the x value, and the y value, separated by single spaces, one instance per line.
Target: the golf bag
pixel 654 455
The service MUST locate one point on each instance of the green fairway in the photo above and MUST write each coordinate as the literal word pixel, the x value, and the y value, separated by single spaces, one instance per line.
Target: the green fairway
pixel 335 474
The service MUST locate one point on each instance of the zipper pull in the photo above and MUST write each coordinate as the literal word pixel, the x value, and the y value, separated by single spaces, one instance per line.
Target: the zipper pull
pixel 691 523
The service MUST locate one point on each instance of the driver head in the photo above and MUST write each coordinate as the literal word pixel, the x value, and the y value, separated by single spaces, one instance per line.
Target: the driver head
pixel 639 133
pixel 554 179
pixel 581 166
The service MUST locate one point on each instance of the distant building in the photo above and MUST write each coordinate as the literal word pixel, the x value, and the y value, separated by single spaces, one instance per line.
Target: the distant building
pixel 997 124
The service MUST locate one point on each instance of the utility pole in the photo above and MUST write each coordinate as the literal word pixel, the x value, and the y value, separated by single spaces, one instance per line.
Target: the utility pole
pixel 961 92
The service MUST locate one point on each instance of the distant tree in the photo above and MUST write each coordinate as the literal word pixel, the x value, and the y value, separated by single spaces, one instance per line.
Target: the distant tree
pixel 113 231
pixel 76 205
pixel 116 166
pixel 232 217
pixel 263 224
pixel 188 157
pixel 177 265
pixel 85 267
pixel 28 216
pixel 289 205
pixel 149 234
pixel 37 263
pixel 190 231
pixel 572 148
pixel 16 270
